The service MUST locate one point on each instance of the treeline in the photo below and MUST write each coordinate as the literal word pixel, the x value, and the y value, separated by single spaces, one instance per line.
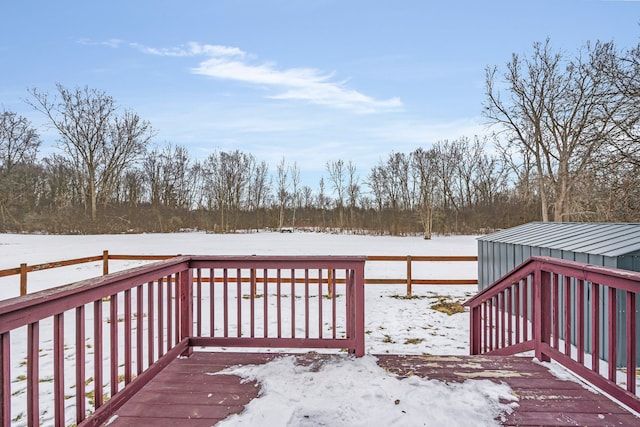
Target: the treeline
pixel 565 148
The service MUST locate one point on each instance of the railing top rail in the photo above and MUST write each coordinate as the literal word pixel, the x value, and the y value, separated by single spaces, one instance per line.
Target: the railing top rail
pixel 620 279
pixel 20 311
pixel 275 261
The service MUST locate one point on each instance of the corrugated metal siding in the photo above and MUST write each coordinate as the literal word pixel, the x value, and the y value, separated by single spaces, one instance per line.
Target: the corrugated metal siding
pixel 607 244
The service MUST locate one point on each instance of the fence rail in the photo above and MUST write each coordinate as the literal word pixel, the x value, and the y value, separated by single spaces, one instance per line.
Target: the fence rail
pixel 97 342
pixel 409 260
pixel 534 307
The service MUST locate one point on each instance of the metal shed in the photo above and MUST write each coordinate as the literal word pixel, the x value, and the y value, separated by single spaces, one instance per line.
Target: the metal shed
pixel 614 245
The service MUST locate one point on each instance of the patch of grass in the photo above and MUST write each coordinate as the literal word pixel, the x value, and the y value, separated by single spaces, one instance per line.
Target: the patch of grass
pixel 387 340
pixel 248 296
pixel 20 378
pixel 448 307
pixel 413 340
pixel 408 297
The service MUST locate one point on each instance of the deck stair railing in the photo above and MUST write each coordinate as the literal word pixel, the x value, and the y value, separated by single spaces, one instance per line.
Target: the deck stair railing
pixel 89 346
pixel 544 305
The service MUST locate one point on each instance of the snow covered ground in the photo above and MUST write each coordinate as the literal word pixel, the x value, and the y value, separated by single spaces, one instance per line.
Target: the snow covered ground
pixel 367 393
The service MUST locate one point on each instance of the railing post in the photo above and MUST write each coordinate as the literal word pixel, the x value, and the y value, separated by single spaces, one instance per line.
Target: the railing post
pixel 409 291
pixel 359 308
pixel 23 279
pixel 541 302
pixel 185 286
pixel 105 263
pixel 475 329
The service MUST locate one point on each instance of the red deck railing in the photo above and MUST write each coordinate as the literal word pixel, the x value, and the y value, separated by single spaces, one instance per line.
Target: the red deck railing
pixel 544 305
pixel 104 338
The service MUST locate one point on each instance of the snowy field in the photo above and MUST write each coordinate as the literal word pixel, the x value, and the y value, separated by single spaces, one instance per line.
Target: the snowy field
pixel 367 394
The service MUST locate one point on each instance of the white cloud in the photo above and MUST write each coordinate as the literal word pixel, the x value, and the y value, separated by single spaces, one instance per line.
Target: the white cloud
pixel 305 84
pixel 191 49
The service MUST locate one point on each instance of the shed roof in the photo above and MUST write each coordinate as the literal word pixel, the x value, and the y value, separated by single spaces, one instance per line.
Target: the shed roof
pixel 607 239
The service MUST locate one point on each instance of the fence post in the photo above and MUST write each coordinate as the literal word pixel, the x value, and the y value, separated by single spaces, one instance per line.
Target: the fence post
pixel 329 283
pixel 23 279
pixel 105 263
pixel 409 291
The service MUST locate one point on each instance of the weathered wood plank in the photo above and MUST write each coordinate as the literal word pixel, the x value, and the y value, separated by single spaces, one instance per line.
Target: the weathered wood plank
pixel 185 393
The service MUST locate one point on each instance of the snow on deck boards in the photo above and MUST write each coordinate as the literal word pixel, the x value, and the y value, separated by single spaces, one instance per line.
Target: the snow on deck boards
pixel 185 393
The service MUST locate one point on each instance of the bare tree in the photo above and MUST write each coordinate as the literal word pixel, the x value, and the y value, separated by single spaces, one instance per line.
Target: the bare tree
pixel 19 144
pixel 295 189
pixel 557 112
pixel 99 143
pixel 353 192
pixel 283 193
pixel 229 175
pixel 259 189
pixel 424 164
pixel 336 175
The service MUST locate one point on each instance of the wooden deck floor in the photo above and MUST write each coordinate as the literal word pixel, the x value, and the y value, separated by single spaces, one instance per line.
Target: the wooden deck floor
pixel 182 394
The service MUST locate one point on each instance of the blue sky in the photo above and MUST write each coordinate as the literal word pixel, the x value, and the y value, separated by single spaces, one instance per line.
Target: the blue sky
pixel 311 81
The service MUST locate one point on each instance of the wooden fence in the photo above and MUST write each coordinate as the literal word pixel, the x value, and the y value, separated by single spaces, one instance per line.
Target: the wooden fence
pixel 409 260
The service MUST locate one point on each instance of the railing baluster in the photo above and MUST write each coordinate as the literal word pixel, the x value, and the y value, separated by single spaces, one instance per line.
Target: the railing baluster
pixel 80 364
pixel 5 378
pixel 306 303
pixel 169 316
pixel 114 343
pixel 139 329
pixel 293 303
pixel 509 316
pixel 501 319
pixel 491 327
pixel 151 342
pixel 486 320
pixel 128 336
pixel 212 304
pixel 33 374
pixel 595 328
pixel 177 324
pixel 279 301
pixel 516 299
pixel 225 290
pixel 98 368
pixel 199 302
pixel 525 308
pixel 265 296
pixel 580 320
pixel 320 325
pixel 58 368
pixel 161 335
pixel 555 307
pixel 612 328
pixel 333 303
pixel 567 315
pixel 252 300
pixel 239 301
pixel 632 338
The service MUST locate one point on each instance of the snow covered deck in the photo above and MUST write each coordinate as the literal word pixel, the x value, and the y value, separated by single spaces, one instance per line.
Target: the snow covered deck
pixel 186 393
